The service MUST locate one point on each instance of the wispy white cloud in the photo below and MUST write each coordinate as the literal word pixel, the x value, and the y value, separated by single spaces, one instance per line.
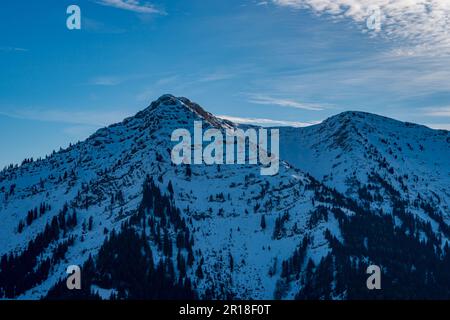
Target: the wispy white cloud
pixel 438 112
pixel 422 26
pixel 268 122
pixel 131 5
pixel 267 100
pixel 375 78
pixel 91 118
pixel 217 76
pixel 114 80
pixel 12 49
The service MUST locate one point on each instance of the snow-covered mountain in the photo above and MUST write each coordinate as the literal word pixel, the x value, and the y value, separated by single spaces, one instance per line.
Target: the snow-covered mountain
pixel 356 190
pixel 359 153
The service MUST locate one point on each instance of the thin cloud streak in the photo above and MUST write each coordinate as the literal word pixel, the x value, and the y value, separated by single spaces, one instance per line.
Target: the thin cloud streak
pixel 268 122
pixel 91 118
pixel 420 27
pixel 371 78
pixel 438 112
pixel 131 5
pixel 12 49
pixel 266 100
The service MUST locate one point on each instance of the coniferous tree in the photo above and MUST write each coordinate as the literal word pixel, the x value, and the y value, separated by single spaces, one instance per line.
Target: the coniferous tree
pixel 263 222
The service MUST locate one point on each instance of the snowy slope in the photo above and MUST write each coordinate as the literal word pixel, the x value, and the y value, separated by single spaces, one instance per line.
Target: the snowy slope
pixel 345 150
pixel 223 204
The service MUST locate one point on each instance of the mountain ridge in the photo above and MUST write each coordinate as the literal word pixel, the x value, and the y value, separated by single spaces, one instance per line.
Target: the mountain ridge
pixel 307 208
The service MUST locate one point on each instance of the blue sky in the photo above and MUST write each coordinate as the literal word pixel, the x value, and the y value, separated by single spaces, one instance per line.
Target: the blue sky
pixel 272 62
